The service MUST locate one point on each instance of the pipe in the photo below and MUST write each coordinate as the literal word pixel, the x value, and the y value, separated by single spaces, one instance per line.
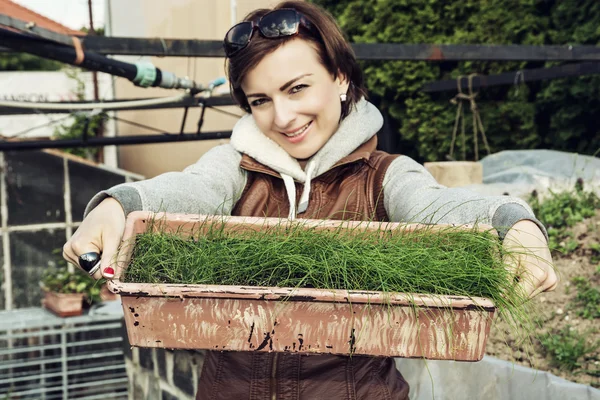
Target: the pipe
pixel 107 141
pixel 142 73
pixel 66 54
pixel 117 105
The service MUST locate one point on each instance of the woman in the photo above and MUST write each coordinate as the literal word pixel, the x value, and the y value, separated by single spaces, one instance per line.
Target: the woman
pixel 306 149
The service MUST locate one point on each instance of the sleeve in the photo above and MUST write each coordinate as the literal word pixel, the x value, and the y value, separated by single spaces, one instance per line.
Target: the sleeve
pixel 210 186
pixel 411 194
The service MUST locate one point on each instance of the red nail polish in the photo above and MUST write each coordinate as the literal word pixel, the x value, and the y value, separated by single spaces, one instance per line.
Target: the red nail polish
pixel 109 271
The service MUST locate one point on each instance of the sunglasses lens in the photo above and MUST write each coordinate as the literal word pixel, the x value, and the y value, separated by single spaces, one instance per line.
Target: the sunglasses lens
pixel 279 23
pixel 238 37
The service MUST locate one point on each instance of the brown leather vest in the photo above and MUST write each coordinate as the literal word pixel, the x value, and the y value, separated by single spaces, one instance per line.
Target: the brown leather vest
pixel 351 190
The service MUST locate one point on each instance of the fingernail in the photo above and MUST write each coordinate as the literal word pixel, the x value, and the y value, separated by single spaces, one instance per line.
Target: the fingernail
pixel 108 272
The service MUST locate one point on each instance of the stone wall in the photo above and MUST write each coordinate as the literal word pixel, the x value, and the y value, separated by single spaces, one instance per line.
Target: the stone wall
pixel 160 374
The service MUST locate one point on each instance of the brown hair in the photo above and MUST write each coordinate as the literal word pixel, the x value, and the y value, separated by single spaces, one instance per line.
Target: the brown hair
pixel 334 52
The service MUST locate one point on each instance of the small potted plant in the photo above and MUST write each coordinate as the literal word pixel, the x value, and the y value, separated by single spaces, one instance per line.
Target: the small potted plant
pixel 66 293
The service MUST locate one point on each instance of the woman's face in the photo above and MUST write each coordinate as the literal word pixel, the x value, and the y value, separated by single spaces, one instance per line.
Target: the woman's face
pixel 293 98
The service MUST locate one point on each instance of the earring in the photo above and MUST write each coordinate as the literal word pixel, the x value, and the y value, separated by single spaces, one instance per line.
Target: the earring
pixel 343 97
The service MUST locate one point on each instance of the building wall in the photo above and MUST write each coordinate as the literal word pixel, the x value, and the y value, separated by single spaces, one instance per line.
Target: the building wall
pixel 44 86
pixel 181 19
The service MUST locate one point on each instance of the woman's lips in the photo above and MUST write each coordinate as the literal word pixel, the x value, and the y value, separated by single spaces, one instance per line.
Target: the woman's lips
pixel 296 138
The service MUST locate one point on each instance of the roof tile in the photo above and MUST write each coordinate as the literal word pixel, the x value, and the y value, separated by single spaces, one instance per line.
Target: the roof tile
pixel 14 10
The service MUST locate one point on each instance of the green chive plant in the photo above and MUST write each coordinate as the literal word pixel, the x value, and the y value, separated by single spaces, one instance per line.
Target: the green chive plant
pixel 446 261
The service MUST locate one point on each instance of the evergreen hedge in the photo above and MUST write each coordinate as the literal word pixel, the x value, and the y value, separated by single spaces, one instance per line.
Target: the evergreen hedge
pixel 560 114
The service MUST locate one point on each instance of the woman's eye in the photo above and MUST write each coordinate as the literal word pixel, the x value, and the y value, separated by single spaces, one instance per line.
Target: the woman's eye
pixel 258 102
pixel 297 88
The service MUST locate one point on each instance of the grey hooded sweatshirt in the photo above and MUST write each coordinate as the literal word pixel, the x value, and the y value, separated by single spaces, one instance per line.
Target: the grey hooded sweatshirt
pixel 215 182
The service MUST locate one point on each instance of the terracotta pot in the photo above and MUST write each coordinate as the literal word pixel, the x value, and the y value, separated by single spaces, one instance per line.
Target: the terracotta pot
pixel 295 320
pixel 64 304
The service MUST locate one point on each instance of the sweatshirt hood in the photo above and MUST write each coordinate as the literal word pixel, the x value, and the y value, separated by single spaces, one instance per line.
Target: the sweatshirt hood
pixel 358 127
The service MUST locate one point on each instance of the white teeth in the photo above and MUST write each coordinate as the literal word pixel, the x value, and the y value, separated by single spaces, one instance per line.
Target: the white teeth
pixel 300 131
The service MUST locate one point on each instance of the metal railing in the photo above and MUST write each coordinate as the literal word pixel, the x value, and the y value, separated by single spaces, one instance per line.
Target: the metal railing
pixel 43 356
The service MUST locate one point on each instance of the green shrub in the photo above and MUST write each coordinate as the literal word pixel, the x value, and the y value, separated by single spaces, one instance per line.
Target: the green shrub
pixel 557 114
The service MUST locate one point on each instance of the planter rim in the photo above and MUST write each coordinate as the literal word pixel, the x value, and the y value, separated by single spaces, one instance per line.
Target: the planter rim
pixel 297 294
pixel 134 216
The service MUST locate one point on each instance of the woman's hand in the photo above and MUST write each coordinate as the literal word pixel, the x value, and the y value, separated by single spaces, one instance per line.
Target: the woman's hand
pixel 101 232
pixel 529 258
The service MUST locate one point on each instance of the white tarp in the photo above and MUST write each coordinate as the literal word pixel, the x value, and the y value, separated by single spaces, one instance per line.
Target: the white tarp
pixel 519 172
pixel 489 379
pixel 44 86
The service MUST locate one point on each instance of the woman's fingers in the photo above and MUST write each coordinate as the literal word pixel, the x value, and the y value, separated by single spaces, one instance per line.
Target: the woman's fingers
pixel 77 246
pixel 108 265
pixel 100 232
pixel 530 278
pixel 551 281
pixel 530 259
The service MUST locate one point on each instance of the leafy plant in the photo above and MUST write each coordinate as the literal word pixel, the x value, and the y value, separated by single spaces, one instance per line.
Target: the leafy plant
pixel 567 348
pixel 563 210
pixel 60 280
pixel 595 253
pixel 588 298
pixel 82 124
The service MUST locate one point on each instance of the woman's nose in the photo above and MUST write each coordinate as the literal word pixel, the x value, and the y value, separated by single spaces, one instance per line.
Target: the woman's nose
pixel 284 114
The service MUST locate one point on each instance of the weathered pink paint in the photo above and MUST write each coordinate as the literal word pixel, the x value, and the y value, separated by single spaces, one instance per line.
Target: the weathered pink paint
pixel 295 319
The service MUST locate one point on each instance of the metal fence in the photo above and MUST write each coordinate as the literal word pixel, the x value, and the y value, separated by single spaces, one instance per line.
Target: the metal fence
pixel 42 198
pixel 43 356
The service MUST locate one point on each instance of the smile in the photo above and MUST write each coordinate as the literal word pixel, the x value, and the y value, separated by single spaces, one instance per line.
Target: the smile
pixel 297 132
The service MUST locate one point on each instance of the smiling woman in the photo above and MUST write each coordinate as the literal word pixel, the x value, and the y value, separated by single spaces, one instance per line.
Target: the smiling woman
pixel 307 149
pixel 300 114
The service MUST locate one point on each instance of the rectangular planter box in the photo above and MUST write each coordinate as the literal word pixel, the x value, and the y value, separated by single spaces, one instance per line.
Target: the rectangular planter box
pixel 295 319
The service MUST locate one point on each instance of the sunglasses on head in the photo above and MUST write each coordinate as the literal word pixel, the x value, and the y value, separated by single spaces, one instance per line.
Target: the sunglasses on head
pixel 273 25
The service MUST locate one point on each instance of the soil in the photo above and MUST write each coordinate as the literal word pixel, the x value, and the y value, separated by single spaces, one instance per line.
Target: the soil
pixel 557 310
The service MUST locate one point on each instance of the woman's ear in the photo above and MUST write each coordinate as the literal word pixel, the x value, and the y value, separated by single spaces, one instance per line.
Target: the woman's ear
pixel 342 82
